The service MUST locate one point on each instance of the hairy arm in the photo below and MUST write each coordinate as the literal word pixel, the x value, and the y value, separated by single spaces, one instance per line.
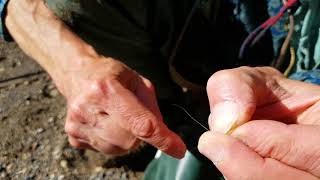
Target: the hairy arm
pixel 46 38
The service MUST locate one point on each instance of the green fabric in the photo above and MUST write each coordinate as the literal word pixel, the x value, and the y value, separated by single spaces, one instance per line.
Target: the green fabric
pixel 307 36
pixel 168 168
pixel 165 167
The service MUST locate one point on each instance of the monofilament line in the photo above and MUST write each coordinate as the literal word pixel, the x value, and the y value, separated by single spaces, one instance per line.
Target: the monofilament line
pixel 183 109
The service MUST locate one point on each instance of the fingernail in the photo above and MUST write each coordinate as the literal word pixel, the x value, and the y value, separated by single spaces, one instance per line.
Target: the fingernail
pixel 224 116
pixel 179 152
pixel 213 147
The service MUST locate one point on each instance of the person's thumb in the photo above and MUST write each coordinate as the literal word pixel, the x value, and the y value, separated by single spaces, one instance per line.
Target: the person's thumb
pixel 232 99
pixel 235 94
pixel 237 161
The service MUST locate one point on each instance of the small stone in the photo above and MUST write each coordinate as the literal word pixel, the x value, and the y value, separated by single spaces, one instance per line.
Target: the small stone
pixel 61 177
pixel 26 83
pixel 51 86
pixel 51 120
pixel 28 102
pixel 3 174
pixel 34 146
pixel 24 170
pixel 60 116
pixel 110 173
pixel 54 93
pixel 57 153
pixel 52 176
pixel 2 69
pixel 25 156
pixel 12 86
pixel 98 169
pixel 64 164
pixel 124 176
pixel 18 63
pixel 9 168
pixel 39 130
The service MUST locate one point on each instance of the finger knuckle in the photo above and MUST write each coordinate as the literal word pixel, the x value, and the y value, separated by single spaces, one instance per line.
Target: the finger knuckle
pixel 130 145
pixel 221 76
pixel 96 87
pixel 71 128
pixel 74 110
pixel 162 142
pixel 141 124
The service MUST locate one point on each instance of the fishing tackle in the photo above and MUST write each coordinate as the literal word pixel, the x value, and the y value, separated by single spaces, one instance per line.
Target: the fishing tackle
pixel 194 119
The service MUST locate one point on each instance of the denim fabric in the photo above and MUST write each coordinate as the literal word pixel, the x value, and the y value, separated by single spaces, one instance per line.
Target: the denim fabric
pixel 307 76
pixel 4 34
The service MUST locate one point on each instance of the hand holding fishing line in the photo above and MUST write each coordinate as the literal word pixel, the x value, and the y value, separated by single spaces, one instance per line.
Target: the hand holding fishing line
pixel 273 123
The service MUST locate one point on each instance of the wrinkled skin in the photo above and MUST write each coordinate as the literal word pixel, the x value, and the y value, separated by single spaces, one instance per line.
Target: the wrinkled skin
pixel 111 109
pixel 263 126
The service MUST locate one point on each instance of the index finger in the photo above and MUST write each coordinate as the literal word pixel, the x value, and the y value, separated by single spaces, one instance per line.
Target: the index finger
pixel 134 116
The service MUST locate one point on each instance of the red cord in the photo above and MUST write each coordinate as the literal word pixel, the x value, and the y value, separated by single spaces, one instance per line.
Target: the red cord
pixel 259 32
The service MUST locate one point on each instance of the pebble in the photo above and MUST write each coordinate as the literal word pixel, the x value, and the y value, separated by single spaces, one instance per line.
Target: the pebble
pixel 18 63
pixel 51 119
pixel 24 170
pixel 60 116
pixel 9 168
pixel 28 102
pixel 61 177
pixel 26 156
pixel 52 176
pixel 39 130
pixel 3 174
pixel 34 146
pixel 12 86
pixel 69 153
pixel 2 69
pixel 57 153
pixel 26 83
pixel 110 173
pixel 54 93
pixel 51 86
pixel 98 169
pixel 64 164
pixel 124 176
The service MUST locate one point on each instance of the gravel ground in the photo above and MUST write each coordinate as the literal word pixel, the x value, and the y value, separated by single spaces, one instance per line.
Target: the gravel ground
pixel 33 144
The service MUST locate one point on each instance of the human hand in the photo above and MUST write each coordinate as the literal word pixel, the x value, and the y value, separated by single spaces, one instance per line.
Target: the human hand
pixel 111 108
pixel 284 147
pixel 239 95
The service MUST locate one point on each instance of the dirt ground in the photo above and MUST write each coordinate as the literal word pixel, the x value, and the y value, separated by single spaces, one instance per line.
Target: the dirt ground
pixel 32 140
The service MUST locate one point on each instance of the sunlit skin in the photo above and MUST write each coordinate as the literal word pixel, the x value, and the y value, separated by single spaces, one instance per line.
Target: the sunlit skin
pixel 111 108
pixel 275 130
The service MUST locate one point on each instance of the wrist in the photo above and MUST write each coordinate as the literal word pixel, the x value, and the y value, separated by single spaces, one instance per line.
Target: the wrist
pixel 72 65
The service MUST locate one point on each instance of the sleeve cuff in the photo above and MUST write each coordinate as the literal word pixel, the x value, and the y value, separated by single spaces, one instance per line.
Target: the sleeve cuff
pixel 4 33
pixel 312 76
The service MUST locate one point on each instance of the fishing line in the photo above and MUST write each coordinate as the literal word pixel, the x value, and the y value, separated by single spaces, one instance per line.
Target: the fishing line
pixel 194 119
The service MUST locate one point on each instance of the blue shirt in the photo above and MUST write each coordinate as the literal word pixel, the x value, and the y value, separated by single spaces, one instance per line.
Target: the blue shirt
pixel 4 34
